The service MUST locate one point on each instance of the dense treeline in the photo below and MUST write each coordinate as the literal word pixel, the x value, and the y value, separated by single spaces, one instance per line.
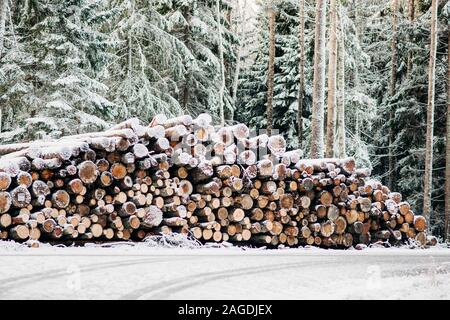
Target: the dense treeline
pixel 335 77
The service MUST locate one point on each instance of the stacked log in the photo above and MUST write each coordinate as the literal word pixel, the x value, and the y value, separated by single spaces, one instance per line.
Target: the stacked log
pixel 183 175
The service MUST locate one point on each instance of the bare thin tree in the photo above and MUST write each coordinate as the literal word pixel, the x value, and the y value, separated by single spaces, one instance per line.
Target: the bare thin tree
pixel 222 67
pixel 270 77
pixel 447 151
pixel 411 17
pixel 332 61
pixel 301 87
pixel 130 41
pixel 428 180
pixel 242 17
pixel 392 90
pixel 341 89
pixel 3 8
pixel 317 123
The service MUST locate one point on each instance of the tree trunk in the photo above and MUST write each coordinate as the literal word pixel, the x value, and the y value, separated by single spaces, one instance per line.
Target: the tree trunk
pixel 222 69
pixel 355 75
pixel 332 60
pixel 3 5
pixel 411 12
pixel 242 39
pixel 447 151
pixel 392 87
pixel 270 78
pixel 301 88
pixel 317 124
pixel 358 20
pixel 341 92
pixel 186 92
pixel 130 43
pixel 430 116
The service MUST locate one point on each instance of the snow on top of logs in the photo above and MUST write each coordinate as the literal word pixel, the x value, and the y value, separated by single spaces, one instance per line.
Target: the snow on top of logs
pixel 327 164
pixel 234 143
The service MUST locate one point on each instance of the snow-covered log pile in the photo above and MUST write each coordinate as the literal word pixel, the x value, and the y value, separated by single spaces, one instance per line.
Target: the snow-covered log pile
pixel 186 176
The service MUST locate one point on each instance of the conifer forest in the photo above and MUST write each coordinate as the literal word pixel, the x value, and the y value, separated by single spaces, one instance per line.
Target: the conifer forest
pixel 337 78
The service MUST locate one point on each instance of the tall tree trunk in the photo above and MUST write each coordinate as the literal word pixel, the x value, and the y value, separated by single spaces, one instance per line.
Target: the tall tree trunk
pixel 3 4
pixel 447 151
pixel 332 60
pixel 411 16
pixel 317 124
pixel 428 181
pixel 242 38
pixel 392 88
pixel 341 90
pixel 186 92
pixel 222 69
pixel 355 74
pixel 130 42
pixel 301 87
pixel 270 78
pixel 358 20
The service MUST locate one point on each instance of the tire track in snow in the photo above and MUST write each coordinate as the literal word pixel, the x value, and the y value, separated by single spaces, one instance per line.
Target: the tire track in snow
pixel 16 282
pixel 165 288
pixel 183 283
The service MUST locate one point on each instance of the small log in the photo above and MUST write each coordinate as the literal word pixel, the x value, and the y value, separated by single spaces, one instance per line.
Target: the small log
pixel 351 216
pixel 420 223
pixel 118 171
pixel 5 201
pixel 277 145
pixel 326 198
pixel 87 172
pixel 202 172
pixel 127 209
pixel 153 217
pixel 60 199
pixel 247 157
pixel 185 120
pixel 5 181
pixel 20 232
pixel 20 197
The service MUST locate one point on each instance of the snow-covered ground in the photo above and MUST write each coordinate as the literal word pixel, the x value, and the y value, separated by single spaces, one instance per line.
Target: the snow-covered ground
pixel 142 272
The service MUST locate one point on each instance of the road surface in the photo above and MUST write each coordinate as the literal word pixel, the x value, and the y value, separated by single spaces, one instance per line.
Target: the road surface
pixel 154 273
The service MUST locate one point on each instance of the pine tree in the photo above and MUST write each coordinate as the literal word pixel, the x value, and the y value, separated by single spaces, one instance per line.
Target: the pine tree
pixel 148 61
pixel 194 23
pixel 53 70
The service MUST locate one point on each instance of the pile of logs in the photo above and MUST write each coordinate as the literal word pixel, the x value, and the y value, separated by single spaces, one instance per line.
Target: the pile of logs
pixel 184 175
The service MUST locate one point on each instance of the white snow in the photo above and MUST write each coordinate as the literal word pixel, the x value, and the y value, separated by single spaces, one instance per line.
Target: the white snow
pixel 140 271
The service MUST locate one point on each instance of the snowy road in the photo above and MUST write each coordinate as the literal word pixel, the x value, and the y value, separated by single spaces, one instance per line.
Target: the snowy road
pixel 149 273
